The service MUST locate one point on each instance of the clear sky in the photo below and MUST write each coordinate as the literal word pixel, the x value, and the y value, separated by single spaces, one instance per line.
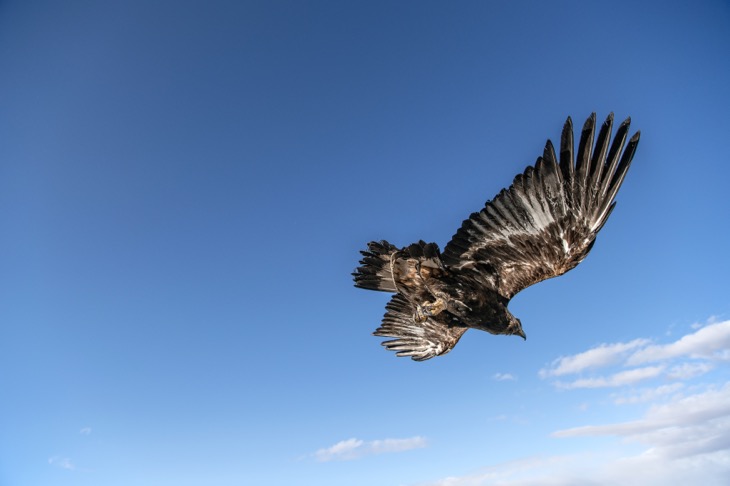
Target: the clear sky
pixel 184 189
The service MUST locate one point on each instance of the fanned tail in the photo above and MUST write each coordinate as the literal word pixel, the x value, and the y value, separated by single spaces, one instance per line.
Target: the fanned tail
pixel 375 272
pixel 411 265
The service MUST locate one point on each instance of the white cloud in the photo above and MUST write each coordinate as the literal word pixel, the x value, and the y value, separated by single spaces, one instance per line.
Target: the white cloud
pixel 350 449
pixel 599 469
pixel 622 378
pixel 600 356
pixel 504 377
pixel 343 450
pixel 685 441
pixel 62 462
pixel 85 431
pixel 685 371
pixel 647 394
pixel 691 355
pixel 709 342
pixel 687 426
pixel 682 436
pixel 506 472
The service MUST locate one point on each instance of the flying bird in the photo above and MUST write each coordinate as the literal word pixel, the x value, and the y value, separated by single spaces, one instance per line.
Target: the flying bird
pixel 543 225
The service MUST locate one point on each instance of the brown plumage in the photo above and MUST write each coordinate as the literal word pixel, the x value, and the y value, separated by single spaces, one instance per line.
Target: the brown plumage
pixel 543 225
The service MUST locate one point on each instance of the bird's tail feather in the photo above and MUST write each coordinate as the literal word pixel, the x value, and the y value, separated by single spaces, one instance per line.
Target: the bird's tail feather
pixel 410 264
pixel 375 270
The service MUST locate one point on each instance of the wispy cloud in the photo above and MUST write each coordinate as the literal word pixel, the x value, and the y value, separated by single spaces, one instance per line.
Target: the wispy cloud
pixel 686 441
pixel 646 394
pixel 62 462
pixel 622 378
pixel 685 371
pixel 599 469
pixel 691 425
pixel 709 342
pixel 350 449
pixel 85 431
pixel 683 433
pixel 507 473
pixel 689 356
pixel 600 356
pixel 504 377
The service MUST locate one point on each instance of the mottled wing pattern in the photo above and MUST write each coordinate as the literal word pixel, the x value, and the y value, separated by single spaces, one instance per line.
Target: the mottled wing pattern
pixel 386 268
pixel 419 340
pixel 546 222
pixel 415 266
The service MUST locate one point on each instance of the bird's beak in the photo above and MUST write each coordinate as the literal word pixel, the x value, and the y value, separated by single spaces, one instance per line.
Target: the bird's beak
pixel 522 334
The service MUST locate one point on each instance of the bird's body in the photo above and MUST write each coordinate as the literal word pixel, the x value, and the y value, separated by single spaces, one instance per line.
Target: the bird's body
pixel 542 226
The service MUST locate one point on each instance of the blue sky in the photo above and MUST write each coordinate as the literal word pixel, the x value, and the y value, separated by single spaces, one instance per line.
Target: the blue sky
pixel 184 189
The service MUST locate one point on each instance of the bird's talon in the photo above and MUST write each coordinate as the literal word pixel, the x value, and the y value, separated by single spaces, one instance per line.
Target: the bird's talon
pixel 429 309
pixel 421 314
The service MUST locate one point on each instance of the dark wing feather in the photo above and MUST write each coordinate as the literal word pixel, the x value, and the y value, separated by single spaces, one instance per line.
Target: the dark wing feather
pixel 419 340
pixel 546 222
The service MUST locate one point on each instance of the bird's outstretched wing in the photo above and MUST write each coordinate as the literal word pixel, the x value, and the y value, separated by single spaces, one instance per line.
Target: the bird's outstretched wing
pixel 435 336
pixel 546 222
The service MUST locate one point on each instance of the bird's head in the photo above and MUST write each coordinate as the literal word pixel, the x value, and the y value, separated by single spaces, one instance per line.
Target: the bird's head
pixel 515 327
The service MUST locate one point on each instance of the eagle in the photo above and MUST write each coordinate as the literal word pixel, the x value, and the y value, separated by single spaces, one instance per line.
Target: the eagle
pixel 540 227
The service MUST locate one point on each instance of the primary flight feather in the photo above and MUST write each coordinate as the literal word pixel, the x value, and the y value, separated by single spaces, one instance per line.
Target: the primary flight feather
pixel 543 225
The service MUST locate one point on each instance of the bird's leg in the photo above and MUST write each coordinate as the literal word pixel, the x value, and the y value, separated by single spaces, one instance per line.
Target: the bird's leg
pixel 424 311
pixel 443 302
pixel 455 306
